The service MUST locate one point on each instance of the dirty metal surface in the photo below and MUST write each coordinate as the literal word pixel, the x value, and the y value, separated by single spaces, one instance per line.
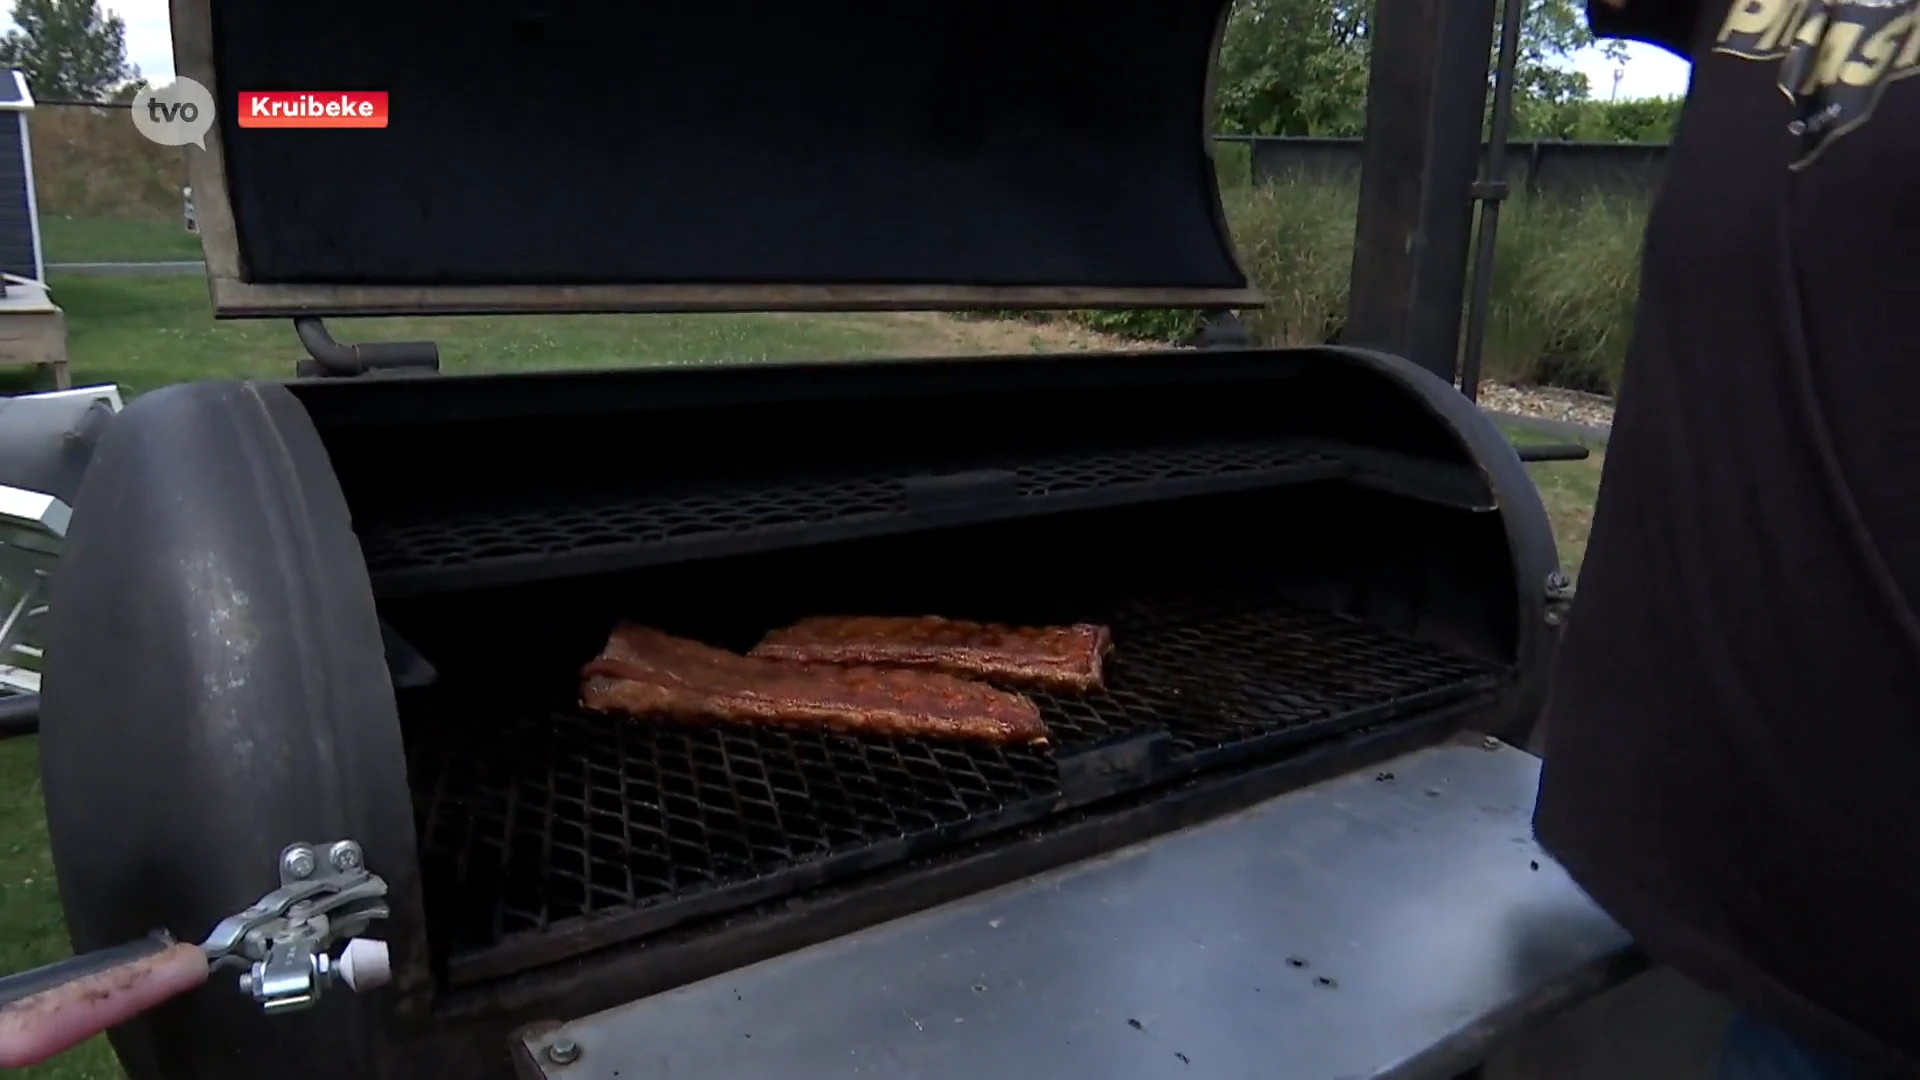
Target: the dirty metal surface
pixel 1391 924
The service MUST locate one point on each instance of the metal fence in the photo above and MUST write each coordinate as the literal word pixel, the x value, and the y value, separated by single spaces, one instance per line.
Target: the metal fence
pixel 1535 168
pixel 107 195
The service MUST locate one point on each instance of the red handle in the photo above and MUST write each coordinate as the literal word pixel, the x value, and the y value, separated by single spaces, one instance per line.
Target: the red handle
pixel 35 1028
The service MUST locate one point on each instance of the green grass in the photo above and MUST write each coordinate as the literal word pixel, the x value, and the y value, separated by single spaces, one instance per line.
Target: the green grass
pixel 1568 488
pixel 31 930
pixel 66 239
pixel 144 332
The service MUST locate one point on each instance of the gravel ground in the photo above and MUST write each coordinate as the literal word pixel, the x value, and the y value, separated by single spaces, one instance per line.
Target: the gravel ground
pixel 1548 403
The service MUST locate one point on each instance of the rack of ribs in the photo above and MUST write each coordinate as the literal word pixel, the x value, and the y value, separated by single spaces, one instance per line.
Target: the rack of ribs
pixel 1053 657
pixel 644 672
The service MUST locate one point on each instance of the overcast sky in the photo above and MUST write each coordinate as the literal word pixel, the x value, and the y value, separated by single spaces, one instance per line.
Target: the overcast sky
pixel 149 39
pixel 1648 72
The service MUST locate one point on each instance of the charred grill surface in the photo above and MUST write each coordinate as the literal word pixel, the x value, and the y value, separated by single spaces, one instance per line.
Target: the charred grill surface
pixel 548 832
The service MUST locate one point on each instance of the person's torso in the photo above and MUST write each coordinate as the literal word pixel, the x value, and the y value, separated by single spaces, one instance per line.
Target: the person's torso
pixel 1735 719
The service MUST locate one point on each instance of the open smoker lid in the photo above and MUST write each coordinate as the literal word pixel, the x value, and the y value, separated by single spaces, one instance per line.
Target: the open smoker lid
pixel 626 155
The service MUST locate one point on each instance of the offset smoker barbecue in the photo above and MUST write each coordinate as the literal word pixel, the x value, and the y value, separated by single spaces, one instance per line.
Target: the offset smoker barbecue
pixel 360 606
pixel 1307 557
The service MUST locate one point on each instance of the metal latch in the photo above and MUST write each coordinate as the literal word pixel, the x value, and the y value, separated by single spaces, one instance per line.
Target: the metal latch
pixel 1559 596
pixel 281 941
pixel 326 895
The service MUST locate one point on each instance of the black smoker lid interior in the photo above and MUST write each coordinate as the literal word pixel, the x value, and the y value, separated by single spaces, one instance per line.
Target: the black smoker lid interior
pixel 553 156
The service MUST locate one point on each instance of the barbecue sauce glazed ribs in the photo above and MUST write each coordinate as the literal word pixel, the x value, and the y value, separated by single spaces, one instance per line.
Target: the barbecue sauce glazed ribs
pixel 646 673
pixel 1052 658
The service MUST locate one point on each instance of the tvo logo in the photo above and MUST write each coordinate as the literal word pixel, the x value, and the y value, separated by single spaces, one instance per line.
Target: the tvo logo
pixel 174 115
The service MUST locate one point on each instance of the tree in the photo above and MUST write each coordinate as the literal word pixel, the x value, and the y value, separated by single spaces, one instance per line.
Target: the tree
pixel 1293 67
pixel 1299 67
pixel 1587 120
pixel 69 49
pixel 1552 31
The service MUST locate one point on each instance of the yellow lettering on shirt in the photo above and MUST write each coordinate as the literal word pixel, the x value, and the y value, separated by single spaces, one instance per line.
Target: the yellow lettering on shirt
pixel 1762 26
pixel 1836 47
pixel 1910 55
pixel 1878 52
pixel 1837 57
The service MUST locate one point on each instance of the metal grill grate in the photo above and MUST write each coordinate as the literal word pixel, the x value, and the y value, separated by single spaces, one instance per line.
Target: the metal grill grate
pixel 1229 676
pixel 550 817
pixel 546 835
pixel 425 546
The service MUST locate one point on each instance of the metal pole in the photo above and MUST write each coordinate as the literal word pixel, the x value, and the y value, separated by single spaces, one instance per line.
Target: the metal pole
pixel 1426 104
pixel 1491 193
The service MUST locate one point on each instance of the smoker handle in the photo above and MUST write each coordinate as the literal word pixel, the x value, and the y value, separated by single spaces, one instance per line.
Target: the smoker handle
pixel 52 1009
pixel 330 357
pixel 19 715
pixel 1553 452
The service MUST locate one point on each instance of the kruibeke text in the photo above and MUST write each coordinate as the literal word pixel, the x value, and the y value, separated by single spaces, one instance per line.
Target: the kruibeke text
pixel 313 109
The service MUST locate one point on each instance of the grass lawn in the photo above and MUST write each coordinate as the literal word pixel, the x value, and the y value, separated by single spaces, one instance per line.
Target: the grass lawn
pixel 144 332
pixel 1569 489
pixel 147 332
pixel 65 239
pixel 31 931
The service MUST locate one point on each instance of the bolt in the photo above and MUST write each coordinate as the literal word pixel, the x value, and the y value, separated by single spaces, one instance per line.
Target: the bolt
pixel 563 1051
pixel 345 856
pixel 297 862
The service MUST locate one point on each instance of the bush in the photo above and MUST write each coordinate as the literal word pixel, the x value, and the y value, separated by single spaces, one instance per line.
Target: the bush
pixel 1295 238
pixel 93 163
pixel 1561 303
pixel 1564 283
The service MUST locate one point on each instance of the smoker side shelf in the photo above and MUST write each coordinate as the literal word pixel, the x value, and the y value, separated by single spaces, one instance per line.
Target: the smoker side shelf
pixel 429 549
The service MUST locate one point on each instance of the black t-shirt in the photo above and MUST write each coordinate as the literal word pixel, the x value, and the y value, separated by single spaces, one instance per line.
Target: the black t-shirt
pixel 1733 734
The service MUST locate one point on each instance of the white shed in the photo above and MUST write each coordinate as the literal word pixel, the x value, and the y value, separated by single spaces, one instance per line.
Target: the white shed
pixel 32 330
pixel 20 254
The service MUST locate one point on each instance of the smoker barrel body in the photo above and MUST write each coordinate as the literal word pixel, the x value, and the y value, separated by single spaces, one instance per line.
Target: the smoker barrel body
pixel 225 688
pixel 215 688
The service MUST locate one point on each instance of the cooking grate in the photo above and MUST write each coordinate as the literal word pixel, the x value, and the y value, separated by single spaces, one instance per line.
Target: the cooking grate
pixel 423 548
pixel 547 835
